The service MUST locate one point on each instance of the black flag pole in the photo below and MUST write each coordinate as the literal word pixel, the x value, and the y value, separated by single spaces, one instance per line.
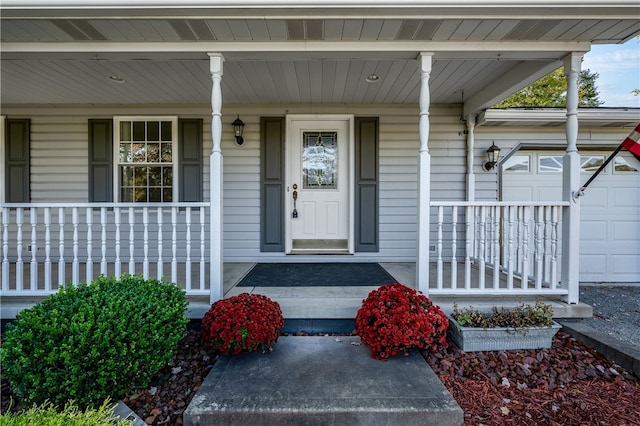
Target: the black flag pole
pixel 580 192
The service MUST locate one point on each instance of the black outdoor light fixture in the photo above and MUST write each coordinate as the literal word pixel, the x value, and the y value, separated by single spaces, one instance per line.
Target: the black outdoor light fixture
pixel 493 153
pixel 238 127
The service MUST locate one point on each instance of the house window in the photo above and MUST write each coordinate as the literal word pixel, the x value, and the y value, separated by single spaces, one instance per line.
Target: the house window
pixel 591 163
pixel 517 164
pixel 146 166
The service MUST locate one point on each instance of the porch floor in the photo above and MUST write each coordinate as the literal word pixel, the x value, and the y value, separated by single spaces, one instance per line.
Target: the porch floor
pixel 335 303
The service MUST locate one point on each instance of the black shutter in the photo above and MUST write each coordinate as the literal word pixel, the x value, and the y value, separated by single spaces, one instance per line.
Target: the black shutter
pixel 190 164
pixel 17 160
pixel 100 160
pixel 366 185
pixel 272 184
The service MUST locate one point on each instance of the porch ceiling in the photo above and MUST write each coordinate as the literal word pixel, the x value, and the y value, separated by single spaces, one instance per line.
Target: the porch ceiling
pixel 288 56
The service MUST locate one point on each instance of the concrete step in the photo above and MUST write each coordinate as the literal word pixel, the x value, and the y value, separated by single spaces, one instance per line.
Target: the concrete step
pixel 322 380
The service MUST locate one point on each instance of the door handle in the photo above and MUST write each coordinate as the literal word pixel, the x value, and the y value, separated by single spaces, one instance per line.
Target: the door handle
pixel 295 198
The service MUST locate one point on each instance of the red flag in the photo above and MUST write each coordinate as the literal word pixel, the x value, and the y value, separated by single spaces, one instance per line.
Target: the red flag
pixel 632 141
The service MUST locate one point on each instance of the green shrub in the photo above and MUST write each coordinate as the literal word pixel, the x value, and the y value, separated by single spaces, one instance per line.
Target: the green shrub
pixel 92 342
pixel 521 317
pixel 47 415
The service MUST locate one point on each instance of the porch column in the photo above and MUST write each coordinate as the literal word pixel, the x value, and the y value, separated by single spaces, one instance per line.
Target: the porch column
pixel 424 176
pixel 471 178
pixel 571 182
pixel 215 194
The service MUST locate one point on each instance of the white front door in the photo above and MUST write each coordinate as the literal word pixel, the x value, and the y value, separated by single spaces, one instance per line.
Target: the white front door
pixel 319 181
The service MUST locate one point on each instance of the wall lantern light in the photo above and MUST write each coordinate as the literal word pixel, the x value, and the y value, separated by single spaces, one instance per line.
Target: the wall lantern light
pixel 493 154
pixel 238 127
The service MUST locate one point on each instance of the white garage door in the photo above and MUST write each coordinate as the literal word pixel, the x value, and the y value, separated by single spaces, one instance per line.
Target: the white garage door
pixel 610 208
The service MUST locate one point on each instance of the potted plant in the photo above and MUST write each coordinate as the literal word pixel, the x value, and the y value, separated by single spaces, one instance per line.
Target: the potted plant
pixel 524 327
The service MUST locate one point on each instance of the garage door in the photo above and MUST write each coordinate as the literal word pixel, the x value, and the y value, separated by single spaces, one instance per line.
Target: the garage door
pixel 610 212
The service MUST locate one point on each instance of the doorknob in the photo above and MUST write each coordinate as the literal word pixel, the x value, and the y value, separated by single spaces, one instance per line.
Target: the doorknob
pixel 295 198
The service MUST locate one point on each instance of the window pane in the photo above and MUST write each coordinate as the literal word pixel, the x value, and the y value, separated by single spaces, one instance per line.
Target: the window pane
pixel 138 130
pixel 138 153
pixel 167 195
pixel 153 153
pixel 125 153
pixel 155 176
pixel 126 176
pixel 155 195
pixel 125 130
pixel 591 163
pixel 167 134
pixel 166 153
pixel 153 131
pixel 140 194
pixel 126 195
pixel 517 163
pixel 550 163
pixel 319 160
pixel 167 176
pixel 140 176
pixel 626 165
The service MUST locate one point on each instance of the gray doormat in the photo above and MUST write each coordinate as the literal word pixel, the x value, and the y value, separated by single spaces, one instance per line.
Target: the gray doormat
pixel 316 274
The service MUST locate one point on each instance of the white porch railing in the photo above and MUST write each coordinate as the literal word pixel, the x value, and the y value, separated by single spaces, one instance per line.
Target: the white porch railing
pixel 47 245
pixel 510 248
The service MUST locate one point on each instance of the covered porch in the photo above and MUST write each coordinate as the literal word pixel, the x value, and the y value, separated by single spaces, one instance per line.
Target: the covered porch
pixel 418 75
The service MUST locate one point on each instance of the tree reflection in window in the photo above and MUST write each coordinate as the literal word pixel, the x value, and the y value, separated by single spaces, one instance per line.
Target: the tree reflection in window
pixel 145 161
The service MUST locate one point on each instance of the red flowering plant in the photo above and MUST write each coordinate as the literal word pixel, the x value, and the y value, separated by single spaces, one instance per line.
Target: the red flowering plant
pixel 395 318
pixel 244 322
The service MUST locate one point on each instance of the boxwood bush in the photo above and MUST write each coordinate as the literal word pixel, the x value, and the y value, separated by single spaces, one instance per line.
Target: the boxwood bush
pixel 93 341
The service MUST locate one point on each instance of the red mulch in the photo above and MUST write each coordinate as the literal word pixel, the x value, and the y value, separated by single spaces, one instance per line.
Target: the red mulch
pixel 569 384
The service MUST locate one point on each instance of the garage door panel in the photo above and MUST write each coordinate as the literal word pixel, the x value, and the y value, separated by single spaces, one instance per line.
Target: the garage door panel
pixel 626 264
pixel 593 230
pixel 626 197
pixel 626 230
pixel 518 193
pixel 594 264
pixel 596 198
pixel 549 193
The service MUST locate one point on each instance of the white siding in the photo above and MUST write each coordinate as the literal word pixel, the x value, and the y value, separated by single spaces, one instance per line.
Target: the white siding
pixel 60 172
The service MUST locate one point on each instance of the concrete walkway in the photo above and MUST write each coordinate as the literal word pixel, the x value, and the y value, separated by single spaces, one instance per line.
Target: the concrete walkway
pixel 322 380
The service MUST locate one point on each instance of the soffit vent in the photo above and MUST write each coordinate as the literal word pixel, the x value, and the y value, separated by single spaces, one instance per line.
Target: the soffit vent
pixel 428 29
pixel 408 29
pixel 295 29
pixel 531 29
pixel 78 29
pixel 192 30
pixel 315 29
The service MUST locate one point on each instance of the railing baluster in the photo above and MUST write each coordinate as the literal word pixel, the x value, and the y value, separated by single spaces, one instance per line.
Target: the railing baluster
pixel 482 249
pixel 539 238
pixel 470 213
pixel 524 280
pixel 47 249
pixel 89 262
pixel 511 260
pixel 33 279
pixel 554 247
pixel 188 248
pixel 454 247
pixel 19 262
pixel 202 249
pixel 5 249
pixel 496 246
pixel 132 237
pixel 439 247
pixel 174 245
pixel 159 265
pixel 103 241
pixel 118 261
pixel 61 262
pixel 75 269
pixel 145 242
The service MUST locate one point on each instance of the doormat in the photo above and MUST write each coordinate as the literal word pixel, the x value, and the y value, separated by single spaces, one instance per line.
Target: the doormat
pixel 316 274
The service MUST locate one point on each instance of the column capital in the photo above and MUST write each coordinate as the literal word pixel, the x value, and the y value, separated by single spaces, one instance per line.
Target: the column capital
pixel 215 63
